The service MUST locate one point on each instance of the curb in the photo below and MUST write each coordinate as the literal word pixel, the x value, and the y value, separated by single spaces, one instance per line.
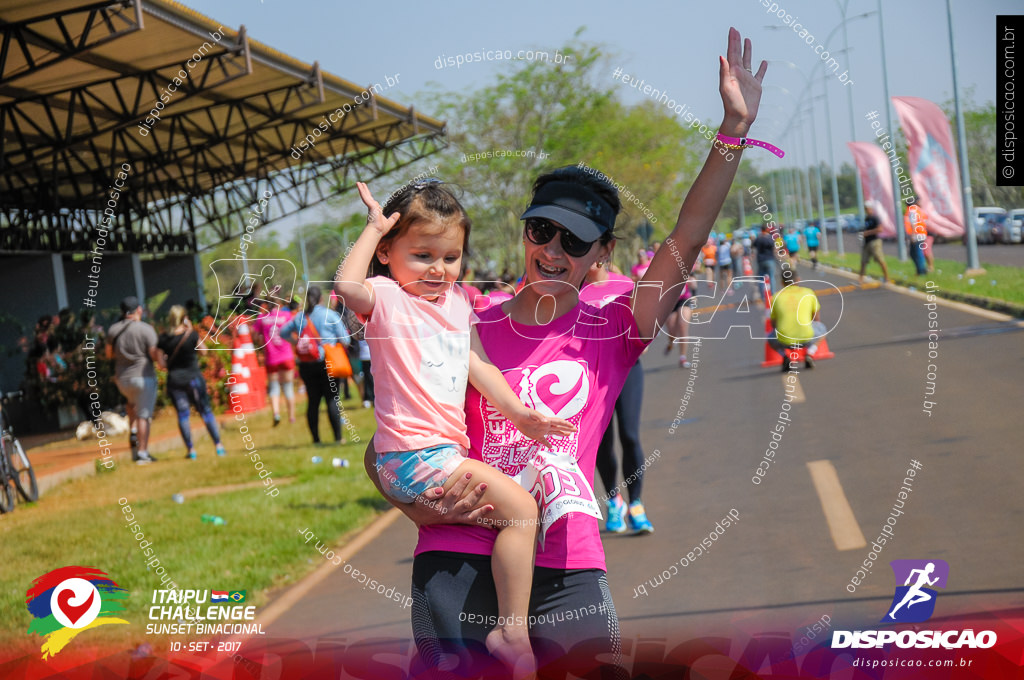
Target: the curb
pixel 961 301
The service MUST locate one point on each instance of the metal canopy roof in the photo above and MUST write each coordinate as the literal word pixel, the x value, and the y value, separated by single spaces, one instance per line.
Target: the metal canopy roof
pixel 78 80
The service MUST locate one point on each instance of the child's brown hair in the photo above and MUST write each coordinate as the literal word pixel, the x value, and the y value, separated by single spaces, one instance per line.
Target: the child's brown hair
pixel 424 201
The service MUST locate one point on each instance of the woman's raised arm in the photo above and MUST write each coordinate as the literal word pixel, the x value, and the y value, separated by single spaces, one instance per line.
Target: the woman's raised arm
pixel 656 293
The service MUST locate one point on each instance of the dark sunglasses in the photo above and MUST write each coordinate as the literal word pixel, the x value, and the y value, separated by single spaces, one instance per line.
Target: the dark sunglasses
pixel 540 232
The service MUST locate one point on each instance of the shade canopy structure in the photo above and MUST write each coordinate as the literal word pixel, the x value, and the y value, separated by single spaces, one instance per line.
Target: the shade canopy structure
pixel 201 122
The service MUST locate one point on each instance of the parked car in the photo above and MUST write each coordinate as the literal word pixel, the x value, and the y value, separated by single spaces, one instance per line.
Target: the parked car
pixel 988 220
pixel 851 222
pixel 830 225
pixel 1013 228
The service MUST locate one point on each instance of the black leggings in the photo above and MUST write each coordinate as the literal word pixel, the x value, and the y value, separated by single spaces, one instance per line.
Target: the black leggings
pixel 627 413
pixel 454 607
pixel 368 394
pixel 318 386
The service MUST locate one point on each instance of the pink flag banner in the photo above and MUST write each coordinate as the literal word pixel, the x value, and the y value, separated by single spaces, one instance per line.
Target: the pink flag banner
pixel 876 178
pixel 933 165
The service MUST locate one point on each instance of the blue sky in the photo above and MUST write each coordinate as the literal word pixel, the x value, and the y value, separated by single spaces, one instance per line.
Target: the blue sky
pixel 672 45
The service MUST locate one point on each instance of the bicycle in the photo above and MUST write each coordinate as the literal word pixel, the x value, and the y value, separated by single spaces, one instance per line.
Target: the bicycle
pixel 16 473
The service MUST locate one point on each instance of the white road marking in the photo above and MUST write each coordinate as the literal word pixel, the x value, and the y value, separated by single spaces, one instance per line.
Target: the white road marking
pixel 798 391
pixel 846 533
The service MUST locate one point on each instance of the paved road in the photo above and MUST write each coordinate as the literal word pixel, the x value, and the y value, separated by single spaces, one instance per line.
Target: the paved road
pixel 779 569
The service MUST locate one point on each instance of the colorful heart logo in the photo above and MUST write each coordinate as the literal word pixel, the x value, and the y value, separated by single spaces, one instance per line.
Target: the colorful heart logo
pixel 73 612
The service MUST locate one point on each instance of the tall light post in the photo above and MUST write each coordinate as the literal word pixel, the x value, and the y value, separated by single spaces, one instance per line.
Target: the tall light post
pixel 900 240
pixel 849 100
pixel 965 171
pixel 814 144
pixel 817 170
pixel 840 249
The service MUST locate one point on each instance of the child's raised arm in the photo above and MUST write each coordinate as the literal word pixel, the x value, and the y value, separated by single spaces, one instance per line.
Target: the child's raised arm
pixel 350 282
pixel 487 378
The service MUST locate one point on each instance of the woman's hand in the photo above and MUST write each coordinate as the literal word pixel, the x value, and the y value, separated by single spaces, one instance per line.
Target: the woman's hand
pixel 375 219
pixel 739 86
pixel 538 427
pixel 458 506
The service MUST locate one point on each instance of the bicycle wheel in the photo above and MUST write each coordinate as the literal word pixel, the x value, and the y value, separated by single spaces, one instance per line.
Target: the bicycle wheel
pixel 7 493
pixel 24 474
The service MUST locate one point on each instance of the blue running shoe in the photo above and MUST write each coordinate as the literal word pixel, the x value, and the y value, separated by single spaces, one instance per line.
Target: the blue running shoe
pixel 615 512
pixel 637 518
pixel 191 455
pixel 221 450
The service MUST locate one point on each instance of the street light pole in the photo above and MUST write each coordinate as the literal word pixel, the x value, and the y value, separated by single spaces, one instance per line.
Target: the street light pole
pixel 853 127
pixel 302 254
pixel 900 240
pixel 840 248
pixel 965 170
pixel 817 171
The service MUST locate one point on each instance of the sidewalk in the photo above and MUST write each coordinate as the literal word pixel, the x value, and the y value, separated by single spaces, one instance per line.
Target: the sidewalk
pixel 76 459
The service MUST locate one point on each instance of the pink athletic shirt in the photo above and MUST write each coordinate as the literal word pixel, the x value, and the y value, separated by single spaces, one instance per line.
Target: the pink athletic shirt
pixel 602 292
pixel 572 368
pixel 420 366
pixel 269 326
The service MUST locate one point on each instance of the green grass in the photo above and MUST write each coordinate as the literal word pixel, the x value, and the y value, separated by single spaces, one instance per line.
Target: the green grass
pixel 948 276
pixel 81 523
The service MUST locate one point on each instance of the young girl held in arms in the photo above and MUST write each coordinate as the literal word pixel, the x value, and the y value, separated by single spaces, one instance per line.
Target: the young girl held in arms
pixel 419 328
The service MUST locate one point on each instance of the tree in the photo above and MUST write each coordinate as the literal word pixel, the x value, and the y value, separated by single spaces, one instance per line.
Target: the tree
pixel 548 116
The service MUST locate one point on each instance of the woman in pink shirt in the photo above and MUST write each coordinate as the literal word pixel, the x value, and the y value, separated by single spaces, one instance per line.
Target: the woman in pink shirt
pixel 280 360
pixel 572 367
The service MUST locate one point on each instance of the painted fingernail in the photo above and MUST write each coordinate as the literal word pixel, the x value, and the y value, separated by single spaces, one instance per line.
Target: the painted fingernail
pixel 483 487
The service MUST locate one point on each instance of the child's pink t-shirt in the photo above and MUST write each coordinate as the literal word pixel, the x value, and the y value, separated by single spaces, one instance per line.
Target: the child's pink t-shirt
pixel 269 326
pixel 572 368
pixel 420 366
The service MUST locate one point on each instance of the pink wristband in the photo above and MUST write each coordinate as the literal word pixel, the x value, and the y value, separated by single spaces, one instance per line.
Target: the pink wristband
pixel 746 141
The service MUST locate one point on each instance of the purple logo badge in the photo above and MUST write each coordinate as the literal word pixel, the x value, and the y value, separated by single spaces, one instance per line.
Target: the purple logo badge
pixel 914 600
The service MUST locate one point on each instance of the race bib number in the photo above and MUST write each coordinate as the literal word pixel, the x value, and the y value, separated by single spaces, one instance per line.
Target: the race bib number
pixel 558 485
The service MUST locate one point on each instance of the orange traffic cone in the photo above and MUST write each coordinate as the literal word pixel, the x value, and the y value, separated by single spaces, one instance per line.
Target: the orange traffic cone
pixel 248 391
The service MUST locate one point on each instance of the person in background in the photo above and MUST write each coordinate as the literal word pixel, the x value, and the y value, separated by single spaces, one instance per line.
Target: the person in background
pixel 135 350
pixel 599 288
pixel 792 241
pixel 710 256
pixel 724 261
pixel 279 360
pixel 308 331
pixel 185 384
pixel 764 247
pixel 812 236
pixel 872 248
pixel 736 253
pixel 915 221
pixel 796 316
pixel 643 261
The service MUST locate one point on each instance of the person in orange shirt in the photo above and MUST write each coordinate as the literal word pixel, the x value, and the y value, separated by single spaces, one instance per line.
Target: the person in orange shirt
pixel 710 255
pixel 915 224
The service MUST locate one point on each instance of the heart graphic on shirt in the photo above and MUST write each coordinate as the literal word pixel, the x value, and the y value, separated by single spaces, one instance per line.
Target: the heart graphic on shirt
pixel 73 612
pixel 558 389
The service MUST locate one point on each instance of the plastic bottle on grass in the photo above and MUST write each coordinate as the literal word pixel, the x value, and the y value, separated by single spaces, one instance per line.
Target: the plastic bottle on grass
pixel 214 520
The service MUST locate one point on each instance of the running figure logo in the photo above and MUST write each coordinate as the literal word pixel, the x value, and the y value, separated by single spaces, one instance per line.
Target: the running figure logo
pixel 914 601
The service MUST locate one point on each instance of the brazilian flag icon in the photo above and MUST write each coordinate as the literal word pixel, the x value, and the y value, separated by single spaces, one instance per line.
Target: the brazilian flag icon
pixel 237 595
